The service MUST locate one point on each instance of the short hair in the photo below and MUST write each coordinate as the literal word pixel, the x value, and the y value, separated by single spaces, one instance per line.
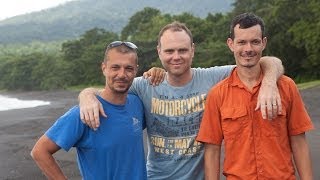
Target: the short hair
pixel 123 49
pixel 246 20
pixel 175 26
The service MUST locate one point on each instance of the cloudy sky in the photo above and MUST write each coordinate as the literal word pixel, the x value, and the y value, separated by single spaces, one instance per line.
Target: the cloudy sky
pixel 9 8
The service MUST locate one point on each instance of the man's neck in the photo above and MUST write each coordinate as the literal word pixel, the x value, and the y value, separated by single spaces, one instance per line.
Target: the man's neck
pixel 114 98
pixel 179 81
pixel 249 76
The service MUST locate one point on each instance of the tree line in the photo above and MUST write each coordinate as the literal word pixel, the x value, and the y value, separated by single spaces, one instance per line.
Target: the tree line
pixel 292 27
pixel 72 19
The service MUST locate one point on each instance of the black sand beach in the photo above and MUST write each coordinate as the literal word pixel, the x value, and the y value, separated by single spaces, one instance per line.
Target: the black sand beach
pixel 19 130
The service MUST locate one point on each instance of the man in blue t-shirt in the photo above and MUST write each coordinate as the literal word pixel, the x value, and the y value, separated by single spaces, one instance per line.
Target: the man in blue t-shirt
pixel 115 151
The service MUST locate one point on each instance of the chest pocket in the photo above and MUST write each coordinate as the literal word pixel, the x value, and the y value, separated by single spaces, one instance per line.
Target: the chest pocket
pixel 233 120
pixel 275 127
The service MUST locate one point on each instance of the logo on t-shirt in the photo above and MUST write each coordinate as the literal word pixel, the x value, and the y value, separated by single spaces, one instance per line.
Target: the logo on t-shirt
pixel 136 124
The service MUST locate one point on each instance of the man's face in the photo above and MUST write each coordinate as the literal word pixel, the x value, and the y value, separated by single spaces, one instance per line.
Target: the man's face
pixel 176 52
pixel 120 70
pixel 247 45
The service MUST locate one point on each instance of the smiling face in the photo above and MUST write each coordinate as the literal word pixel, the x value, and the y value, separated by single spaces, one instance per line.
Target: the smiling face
pixel 119 69
pixel 247 45
pixel 176 52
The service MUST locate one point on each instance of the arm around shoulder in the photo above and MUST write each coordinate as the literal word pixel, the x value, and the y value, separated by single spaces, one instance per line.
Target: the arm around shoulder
pixel 272 67
pixel 90 107
pixel 269 100
pixel 88 92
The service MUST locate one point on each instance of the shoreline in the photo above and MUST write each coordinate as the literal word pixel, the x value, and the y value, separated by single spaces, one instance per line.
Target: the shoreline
pixel 20 128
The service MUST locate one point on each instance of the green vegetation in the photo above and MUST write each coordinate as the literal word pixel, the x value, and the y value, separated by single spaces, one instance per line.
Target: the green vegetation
pixel 307 85
pixel 292 33
pixel 52 47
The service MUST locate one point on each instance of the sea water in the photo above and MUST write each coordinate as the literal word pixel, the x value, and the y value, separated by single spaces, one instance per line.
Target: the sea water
pixel 8 103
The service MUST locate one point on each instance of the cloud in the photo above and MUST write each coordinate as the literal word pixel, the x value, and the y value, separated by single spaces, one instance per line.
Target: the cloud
pixel 9 8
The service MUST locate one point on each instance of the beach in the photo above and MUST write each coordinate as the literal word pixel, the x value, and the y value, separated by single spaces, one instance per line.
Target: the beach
pixel 20 129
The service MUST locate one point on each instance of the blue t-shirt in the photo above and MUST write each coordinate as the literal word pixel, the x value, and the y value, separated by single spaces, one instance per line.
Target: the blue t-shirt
pixel 115 151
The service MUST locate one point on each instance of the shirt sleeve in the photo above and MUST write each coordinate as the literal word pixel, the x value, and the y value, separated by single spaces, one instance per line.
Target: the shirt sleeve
pixel 299 120
pixel 138 86
pixel 215 74
pixel 67 130
pixel 210 128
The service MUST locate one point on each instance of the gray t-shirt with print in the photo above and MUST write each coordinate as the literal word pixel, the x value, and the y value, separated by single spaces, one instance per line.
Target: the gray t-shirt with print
pixel 173 116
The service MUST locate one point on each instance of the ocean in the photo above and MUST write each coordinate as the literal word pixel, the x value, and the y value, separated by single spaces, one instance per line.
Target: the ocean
pixel 8 103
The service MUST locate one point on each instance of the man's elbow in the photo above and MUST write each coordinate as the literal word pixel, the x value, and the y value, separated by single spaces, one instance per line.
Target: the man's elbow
pixel 35 153
pixel 39 151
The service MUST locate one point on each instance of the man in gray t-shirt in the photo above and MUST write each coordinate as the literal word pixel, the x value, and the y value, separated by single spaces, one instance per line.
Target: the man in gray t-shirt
pixel 174 109
pixel 173 119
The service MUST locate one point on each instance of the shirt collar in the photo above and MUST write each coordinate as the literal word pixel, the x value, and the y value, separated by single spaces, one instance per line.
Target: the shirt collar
pixel 234 79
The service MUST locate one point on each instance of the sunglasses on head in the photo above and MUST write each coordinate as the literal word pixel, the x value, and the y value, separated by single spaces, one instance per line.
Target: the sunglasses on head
pixel 119 43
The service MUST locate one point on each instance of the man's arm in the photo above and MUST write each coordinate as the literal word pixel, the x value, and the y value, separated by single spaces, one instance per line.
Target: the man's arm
pixel 90 106
pixel 155 75
pixel 42 154
pixel 301 156
pixel 269 100
pixel 212 161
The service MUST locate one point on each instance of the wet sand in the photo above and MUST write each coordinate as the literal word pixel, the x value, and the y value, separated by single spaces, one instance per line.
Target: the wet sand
pixel 19 130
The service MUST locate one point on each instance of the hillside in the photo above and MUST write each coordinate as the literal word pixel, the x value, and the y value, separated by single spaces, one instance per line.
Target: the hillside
pixel 72 19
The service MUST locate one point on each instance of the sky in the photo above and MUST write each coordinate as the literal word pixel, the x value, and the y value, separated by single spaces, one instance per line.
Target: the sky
pixel 9 8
